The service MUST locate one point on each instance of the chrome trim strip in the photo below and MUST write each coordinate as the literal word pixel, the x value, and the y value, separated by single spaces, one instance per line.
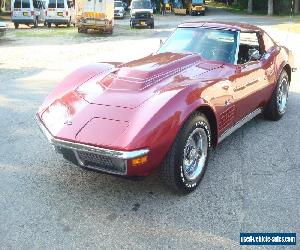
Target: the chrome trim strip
pixel 90 149
pixel 240 123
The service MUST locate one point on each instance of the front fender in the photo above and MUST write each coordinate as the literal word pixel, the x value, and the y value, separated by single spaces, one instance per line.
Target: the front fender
pixel 73 80
pixel 162 118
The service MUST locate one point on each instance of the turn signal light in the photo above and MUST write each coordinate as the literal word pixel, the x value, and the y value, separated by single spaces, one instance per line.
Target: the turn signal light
pixel 139 160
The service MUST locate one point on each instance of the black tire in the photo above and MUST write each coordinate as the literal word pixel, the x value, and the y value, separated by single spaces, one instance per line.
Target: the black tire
pixel 16 25
pixel 49 25
pixel 152 26
pixel 56 25
pixel 272 110
pixel 35 24
pixel 171 171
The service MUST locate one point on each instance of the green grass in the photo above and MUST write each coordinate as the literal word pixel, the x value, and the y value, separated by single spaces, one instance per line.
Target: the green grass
pixel 45 32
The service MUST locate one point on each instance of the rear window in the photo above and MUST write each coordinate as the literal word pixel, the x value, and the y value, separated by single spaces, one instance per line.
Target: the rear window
pixel 60 4
pixel 35 4
pixel 25 4
pixel 17 4
pixel 52 4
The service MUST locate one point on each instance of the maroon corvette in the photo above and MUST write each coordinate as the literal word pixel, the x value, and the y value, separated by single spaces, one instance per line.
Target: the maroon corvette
pixel 170 108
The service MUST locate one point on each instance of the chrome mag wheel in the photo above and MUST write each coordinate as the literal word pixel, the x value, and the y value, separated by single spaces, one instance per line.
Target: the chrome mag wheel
pixel 282 95
pixel 195 154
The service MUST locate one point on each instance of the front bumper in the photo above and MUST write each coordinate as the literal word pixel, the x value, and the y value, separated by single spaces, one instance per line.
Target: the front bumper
pixel 119 14
pixel 100 159
pixel 197 12
pixel 142 22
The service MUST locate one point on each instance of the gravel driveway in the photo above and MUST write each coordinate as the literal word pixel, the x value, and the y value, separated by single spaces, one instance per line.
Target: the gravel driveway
pixel 251 185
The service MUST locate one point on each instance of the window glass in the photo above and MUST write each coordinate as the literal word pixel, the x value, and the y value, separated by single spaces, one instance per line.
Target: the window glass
pixel 118 4
pixel 268 42
pixel 141 5
pixel 248 42
pixel 211 44
pixel 17 4
pixel 60 3
pixel 25 3
pixel 35 4
pixel 52 4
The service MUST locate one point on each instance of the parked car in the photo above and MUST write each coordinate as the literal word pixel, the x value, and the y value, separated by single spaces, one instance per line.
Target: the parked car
pixel 28 12
pixel 141 14
pixel 60 12
pixel 119 10
pixel 97 15
pixel 197 7
pixel 170 108
pixel 2 28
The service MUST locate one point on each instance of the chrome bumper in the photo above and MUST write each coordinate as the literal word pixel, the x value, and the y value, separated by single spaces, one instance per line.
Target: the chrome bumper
pixel 107 155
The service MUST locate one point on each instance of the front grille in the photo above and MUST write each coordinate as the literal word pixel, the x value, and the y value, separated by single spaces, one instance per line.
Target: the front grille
pixel 142 15
pixel 103 163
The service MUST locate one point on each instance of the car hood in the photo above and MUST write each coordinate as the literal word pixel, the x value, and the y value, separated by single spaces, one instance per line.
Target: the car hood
pixel 101 109
pixel 131 84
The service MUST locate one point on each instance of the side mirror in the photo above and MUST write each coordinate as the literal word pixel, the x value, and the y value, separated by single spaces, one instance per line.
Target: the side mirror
pixel 253 54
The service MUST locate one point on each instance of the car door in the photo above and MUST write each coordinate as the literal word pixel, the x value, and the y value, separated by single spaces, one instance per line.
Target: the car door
pixel 249 78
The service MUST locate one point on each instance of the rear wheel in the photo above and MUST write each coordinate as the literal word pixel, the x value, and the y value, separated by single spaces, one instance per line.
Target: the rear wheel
pixel 276 107
pixel 49 25
pixel 56 25
pixel 16 25
pixel 131 24
pixel 185 164
pixel 35 24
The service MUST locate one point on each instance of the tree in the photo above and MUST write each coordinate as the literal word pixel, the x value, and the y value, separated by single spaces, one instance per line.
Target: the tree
pixel 250 6
pixel 270 7
pixel 296 9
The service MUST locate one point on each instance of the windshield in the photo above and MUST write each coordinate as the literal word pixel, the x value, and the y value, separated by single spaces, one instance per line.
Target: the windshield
pixel 141 5
pixel 118 4
pixel 197 1
pixel 211 44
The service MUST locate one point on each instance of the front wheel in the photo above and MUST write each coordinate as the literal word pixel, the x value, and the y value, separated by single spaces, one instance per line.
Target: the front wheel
pixel 16 25
pixel 186 162
pixel 276 107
